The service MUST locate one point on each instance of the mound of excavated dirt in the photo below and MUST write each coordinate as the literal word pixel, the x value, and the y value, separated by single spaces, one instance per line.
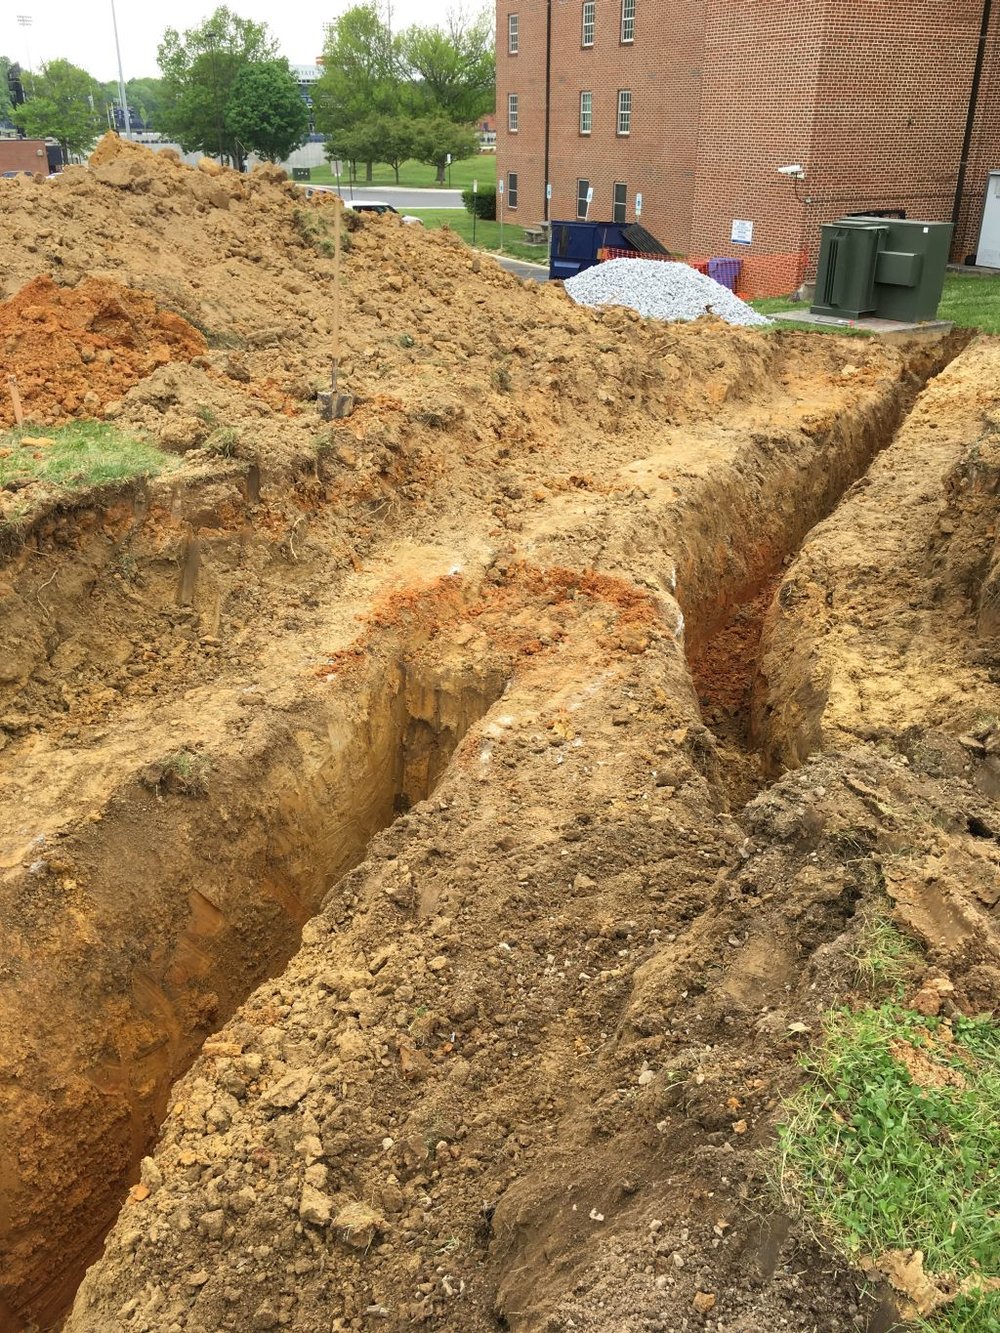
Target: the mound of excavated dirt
pixel 73 350
pixel 522 1069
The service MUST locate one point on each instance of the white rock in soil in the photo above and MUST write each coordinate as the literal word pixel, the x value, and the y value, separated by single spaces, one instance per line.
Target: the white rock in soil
pixel 660 290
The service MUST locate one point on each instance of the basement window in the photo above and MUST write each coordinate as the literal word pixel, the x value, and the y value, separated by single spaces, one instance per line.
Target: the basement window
pixel 628 21
pixel 512 189
pixel 624 111
pixel 512 112
pixel 620 205
pixel 513 34
pixel 582 190
pixel 589 21
pixel 586 112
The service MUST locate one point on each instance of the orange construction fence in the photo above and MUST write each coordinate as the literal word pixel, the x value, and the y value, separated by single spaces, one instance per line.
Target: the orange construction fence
pixel 758 275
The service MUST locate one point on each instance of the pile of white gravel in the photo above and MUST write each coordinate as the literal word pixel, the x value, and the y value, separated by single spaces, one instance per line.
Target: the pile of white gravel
pixel 659 290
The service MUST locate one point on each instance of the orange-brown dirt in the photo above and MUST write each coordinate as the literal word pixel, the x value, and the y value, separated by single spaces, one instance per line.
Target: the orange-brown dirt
pixel 73 350
pixel 412 691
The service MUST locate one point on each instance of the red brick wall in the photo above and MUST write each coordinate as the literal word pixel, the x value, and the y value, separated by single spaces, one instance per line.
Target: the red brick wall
pixel 871 100
pixel 662 69
pixel 22 155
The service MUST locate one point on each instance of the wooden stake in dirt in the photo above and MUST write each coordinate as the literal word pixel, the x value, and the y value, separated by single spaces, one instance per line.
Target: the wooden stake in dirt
pixel 334 405
pixel 15 398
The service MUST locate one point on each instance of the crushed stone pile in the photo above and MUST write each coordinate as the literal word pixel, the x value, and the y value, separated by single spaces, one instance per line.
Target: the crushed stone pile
pixel 660 290
pixel 73 350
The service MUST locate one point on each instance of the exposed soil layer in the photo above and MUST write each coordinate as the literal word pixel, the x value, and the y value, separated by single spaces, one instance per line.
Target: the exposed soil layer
pixel 888 631
pixel 518 1072
pixel 74 350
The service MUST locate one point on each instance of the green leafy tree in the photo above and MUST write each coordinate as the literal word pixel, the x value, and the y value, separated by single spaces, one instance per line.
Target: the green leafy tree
pixel 61 106
pixel 265 112
pixel 378 139
pixel 436 137
pixel 359 79
pixel 199 69
pixel 452 70
pixel 5 106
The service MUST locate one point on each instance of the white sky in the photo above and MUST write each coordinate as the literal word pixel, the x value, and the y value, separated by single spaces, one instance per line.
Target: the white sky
pixel 81 31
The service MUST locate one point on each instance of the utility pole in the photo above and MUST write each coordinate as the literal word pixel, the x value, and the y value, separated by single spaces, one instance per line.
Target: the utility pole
pixel 121 77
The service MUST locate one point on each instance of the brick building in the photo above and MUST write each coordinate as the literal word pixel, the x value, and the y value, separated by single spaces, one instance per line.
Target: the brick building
pixel 697 103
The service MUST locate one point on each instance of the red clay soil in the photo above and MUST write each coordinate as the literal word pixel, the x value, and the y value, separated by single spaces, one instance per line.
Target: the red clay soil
pixel 73 350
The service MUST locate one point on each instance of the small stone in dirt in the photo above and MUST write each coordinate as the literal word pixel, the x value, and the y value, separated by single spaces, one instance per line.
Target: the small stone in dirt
pixel 211 1224
pixel 645 1078
pixel 198 1279
pixel 315 1207
pixel 358 1224
pixel 290 1090
pixel 703 1302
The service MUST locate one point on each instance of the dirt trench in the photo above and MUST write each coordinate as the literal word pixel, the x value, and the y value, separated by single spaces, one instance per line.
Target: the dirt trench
pixel 296 817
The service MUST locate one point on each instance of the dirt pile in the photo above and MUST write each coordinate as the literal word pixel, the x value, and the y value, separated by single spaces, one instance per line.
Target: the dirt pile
pixel 521 1067
pixel 73 350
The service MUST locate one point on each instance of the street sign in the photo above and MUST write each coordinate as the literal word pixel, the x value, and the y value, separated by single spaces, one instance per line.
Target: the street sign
pixel 500 188
pixel 590 195
pixel 638 205
pixel 448 159
pixel 548 191
pixel 475 187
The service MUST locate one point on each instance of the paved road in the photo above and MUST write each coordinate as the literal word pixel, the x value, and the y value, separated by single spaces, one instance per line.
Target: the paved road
pixel 521 269
pixel 401 199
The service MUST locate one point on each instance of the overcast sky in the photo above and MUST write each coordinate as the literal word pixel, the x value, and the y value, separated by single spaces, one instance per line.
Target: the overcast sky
pixel 81 31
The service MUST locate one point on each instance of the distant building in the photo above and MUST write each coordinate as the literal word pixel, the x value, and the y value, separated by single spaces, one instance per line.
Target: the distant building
pixel 307 76
pixel 696 104
pixel 487 131
pixel 35 155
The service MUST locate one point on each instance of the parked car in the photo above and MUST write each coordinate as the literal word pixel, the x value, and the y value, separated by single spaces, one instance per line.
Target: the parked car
pixel 380 206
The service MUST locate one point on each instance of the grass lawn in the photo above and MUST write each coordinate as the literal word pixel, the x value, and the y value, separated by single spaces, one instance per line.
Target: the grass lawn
pixel 971 302
pixel 419 176
pixel 75 457
pixel 487 233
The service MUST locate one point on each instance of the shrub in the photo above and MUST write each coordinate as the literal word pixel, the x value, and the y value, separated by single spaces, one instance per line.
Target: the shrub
pixel 483 204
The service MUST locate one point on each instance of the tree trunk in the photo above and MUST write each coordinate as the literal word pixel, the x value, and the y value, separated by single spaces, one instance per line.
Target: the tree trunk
pixel 396 170
pixel 368 172
pixel 440 171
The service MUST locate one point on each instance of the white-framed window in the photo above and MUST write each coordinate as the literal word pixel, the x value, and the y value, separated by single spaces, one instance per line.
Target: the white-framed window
pixel 589 22
pixel 624 111
pixel 513 34
pixel 512 112
pixel 512 189
pixel 586 112
pixel 619 202
pixel 582 190
pixel 628 20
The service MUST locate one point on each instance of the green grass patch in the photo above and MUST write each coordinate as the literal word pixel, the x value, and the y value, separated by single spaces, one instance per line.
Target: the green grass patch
pixel 884 958
pixel 881 1158
pixel 487 233
pixel 968 300
pixel 81 455
pixel 417 175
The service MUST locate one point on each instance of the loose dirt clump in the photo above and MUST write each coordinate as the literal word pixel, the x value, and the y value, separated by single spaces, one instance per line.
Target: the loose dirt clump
pixel 72 351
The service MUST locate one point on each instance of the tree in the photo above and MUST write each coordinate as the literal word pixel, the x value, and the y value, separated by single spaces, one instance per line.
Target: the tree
pixel 437 137
pixel 199 70
pixel 61 107
pixel 453 70
pixel 5 100
pixel 359 77
pixel 265 111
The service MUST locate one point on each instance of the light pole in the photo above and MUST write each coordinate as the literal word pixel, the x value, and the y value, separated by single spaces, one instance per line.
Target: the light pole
pixel 25 21
pixel 121 77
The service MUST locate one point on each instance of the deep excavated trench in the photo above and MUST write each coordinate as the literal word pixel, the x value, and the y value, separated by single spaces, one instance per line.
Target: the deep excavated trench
pixel 347 773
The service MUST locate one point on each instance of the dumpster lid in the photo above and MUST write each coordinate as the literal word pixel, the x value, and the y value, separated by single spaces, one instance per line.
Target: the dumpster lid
pixel 640 239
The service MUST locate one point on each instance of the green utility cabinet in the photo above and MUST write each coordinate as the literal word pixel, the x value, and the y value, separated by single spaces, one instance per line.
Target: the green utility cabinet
pixel 892 268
